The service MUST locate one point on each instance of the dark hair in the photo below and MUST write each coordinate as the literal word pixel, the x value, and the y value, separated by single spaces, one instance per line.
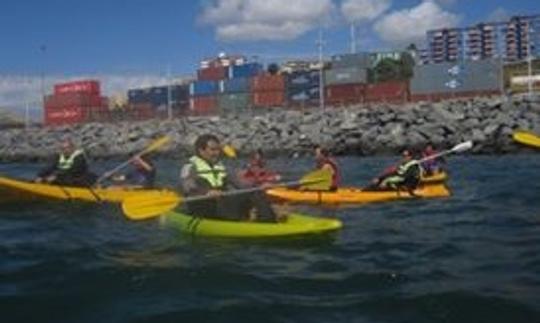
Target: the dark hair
pixel 259 152
pixel 323 150
pixel 203 140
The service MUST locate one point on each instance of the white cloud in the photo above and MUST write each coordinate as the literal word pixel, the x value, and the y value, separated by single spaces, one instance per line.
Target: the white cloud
pixel 364 10
pixel 499 14
pixel 265 20
pixel 410 25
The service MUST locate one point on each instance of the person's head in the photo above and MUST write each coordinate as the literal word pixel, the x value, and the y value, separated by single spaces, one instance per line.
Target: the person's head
pixel 67 146
pixel 429 149
pixel 208 148
pixel 138 162
pixel 321 153
pixel 257 158
pixel 407 154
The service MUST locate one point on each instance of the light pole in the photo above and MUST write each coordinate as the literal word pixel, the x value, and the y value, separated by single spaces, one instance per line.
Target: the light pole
pixel 353 38
pixel 320 45
pixel 42 49
pixel 169 108
pixel 529 60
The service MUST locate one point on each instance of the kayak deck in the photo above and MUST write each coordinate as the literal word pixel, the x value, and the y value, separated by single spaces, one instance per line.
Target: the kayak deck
pixel 295 224
pixel 25 190
pixel 351 195
pixel 527 138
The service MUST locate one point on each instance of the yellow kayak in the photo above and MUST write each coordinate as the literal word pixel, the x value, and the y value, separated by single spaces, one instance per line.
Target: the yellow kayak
pixel 527 138
pixel 435 178
pixel 295 224
pixel 25 190
pixel 351 195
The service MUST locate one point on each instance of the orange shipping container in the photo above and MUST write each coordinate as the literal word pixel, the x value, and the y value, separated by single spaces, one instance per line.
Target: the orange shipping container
pixel 392 91
pixel 216 73
pixel 268 82
pixel 268 99
pixel 203 105
pixel 345 93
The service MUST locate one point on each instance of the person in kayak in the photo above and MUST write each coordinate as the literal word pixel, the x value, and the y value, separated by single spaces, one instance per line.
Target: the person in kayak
pixel 205 174
pixel 69 167
pixel 405 175
pixel 142 175
pixel 324 161
pixel 432 166
pixel 256 172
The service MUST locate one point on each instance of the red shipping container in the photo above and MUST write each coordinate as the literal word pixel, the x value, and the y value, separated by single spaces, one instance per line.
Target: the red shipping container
pixel 142 111
pixel 65 116
pixel 86 86
pixel 212 73
pixel 392 91
pixel 268 99
pixel 268 82
pixel 345 93
pixel 203 105
pixel 73 99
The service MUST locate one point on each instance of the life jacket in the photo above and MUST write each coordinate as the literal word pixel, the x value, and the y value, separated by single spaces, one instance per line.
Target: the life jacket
pixel 213 174
pixel 65 163
pixel 335 172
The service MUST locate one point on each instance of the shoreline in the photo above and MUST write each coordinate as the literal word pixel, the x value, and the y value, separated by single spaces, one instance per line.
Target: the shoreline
pixel 355 130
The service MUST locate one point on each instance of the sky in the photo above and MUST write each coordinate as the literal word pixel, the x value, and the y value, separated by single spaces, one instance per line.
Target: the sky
pixel 132 43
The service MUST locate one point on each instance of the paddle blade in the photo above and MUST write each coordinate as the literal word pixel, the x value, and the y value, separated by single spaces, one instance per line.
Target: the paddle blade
pixel 462 147
pixel 155 145
pixel 229 151
pixel 318 180
pixel 150 205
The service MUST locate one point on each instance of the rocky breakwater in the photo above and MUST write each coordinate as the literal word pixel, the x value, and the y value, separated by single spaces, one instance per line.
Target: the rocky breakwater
pixel 359 130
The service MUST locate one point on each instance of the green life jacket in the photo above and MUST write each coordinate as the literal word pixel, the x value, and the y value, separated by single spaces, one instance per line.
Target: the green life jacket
pixel 214 175
pixel 65 163
pixel 403 168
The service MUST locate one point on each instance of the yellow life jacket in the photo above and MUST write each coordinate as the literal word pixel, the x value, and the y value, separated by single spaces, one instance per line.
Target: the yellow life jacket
pixel 214 175
pixel 65 163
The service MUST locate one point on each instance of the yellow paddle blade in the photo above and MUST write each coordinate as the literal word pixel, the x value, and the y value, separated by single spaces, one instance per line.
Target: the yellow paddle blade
pixel 155 145
pixel 318 180
pixel 527 138
pixel 148 206
pixel 229 151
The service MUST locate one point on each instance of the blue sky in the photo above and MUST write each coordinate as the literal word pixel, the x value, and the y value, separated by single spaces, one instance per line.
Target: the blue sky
pixel 70 38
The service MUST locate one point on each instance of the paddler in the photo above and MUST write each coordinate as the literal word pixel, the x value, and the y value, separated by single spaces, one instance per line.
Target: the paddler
pixel 432 166
pixel 406 174
pixel 256 172
pixel 205 174
pixel 69 167
pixel 324 161
pixel 142 175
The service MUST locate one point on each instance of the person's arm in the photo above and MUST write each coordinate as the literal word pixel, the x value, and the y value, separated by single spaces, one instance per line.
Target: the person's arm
pixel 49 169
pixel 190 184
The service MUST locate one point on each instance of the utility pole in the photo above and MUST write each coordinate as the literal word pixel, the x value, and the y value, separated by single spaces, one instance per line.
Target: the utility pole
pixel 320 45
pixel 169 96
pixel 42 49
pixel 353 38
pixel 529 59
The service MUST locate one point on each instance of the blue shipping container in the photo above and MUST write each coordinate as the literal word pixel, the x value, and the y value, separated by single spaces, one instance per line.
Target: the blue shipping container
pixel 245 70
pixel 303 79
pixel 159 95
pixel 236 85
pixel 303 94
pixel 202 88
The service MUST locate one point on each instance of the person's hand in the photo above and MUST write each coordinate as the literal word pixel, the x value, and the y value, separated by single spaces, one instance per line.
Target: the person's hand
pixel 214 193
pixel 50 178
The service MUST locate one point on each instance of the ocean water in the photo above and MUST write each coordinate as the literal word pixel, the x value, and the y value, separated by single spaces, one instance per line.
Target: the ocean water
pixel 473 257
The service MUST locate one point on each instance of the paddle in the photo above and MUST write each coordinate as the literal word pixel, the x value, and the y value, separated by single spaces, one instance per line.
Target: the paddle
pixel 229 151
pixel 464 146
pixel 153 146
pixel 153 205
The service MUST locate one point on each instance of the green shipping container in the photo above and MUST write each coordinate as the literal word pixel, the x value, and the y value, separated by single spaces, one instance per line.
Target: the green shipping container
pixel 235 102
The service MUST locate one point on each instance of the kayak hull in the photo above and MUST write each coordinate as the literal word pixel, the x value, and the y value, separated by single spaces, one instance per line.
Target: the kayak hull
pixel 527 138
pixel 435 178
pixel 24 190
pixel 295 224
pixel 350 195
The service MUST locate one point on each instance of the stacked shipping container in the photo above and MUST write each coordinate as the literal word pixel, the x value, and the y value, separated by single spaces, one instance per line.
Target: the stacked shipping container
pixel 303 88
pixel 268 90
pixel 75 102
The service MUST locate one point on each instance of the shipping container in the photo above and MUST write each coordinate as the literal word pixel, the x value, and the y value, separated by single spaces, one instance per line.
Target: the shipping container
pixel 215 73
pixel 466 76
pixel 268 82
pixel 236 85
pixel 358 60
pixel 69 99
pixel 352 75
pixel 342 94
pixel 303 96
pixel 236 102
pixel 245 70
pixel 303 79
pixel 442 96
pixel 85 86
pixel 203 105
pixel 391 91
pixel 159 95
pixel 202 88
pixel 268 99
pixel 64 116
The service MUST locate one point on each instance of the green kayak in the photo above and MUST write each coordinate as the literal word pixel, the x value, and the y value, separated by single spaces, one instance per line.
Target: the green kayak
pixel 295 224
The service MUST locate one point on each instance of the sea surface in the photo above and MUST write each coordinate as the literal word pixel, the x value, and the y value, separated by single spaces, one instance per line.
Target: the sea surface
pixel 473 257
